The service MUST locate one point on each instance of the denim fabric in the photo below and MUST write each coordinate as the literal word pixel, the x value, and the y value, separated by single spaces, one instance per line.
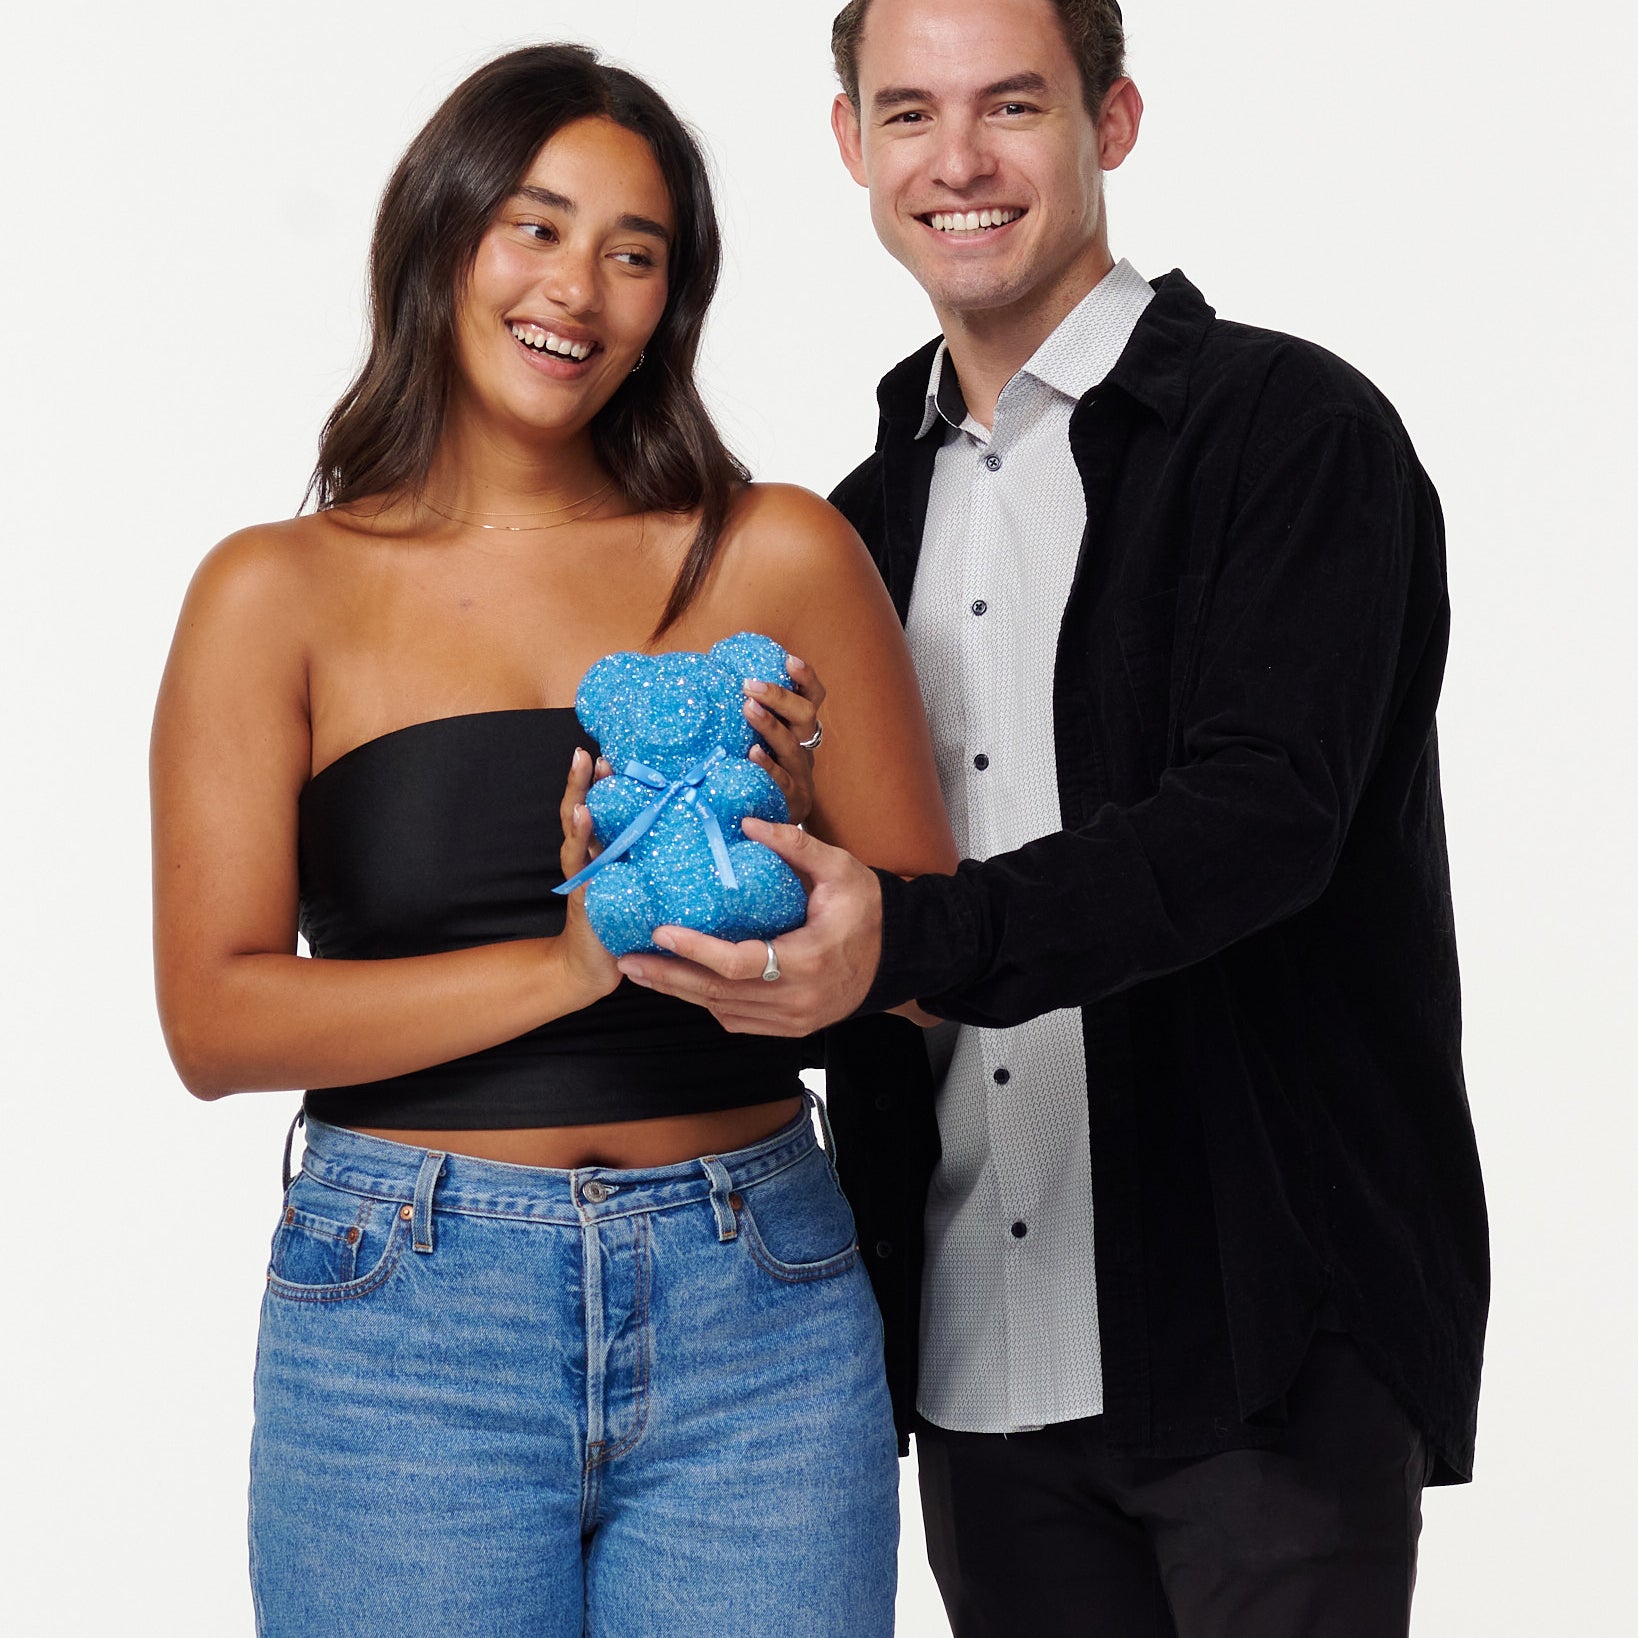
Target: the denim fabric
pixel 497 1400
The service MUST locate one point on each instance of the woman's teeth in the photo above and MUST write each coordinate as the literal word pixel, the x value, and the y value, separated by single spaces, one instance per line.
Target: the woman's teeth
pixel 543 341
pixel 971 221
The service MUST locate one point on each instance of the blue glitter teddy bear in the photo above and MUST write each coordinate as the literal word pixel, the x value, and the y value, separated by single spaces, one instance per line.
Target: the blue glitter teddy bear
pixel 673 729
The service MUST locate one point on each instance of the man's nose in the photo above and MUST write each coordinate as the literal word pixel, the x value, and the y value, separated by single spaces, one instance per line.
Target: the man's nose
pixel 964 155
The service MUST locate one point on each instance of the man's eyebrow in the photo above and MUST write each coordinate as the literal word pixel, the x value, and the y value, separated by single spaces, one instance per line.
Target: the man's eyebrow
pixel 629 222
pixel 897 96
pixel 1030 81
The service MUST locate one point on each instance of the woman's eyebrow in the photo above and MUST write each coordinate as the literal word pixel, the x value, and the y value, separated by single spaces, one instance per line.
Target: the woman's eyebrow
pixel 631 223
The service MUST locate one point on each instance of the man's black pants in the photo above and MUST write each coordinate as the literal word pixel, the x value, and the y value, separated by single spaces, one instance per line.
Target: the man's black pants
pixel 1049 1533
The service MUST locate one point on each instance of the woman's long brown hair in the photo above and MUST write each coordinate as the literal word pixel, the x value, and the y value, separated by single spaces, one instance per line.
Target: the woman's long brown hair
pixel 655 435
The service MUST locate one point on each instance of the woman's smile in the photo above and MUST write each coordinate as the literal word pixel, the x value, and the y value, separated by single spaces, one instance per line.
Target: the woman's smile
pixel 550 350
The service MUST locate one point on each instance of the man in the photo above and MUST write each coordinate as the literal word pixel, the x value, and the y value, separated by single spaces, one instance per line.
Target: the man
pixel 1205 1262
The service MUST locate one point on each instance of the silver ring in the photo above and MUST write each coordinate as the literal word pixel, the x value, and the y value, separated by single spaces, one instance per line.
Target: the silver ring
pixel 818 737
pixel 771 971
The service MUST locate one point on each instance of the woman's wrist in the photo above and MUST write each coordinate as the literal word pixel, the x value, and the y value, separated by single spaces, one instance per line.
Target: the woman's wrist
pixel 574 976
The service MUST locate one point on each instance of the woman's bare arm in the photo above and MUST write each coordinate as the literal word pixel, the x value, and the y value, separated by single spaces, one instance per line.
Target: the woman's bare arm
pixel 876 787
pixel 809 578
pixel 231 752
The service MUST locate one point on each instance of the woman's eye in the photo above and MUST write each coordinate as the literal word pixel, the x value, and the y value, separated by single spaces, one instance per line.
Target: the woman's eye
pixel 539 230
pixel 634 258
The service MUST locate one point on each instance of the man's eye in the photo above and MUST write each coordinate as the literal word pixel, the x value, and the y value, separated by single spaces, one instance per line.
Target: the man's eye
pixel 1017 108
pixel 911 116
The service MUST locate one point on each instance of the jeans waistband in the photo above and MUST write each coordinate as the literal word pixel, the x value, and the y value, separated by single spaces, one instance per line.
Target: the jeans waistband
pixel 402 1172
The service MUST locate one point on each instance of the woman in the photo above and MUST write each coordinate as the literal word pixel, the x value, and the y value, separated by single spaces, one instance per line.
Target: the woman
pixel 565 1329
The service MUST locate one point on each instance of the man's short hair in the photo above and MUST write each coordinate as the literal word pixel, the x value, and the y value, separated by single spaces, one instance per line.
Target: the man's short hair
pixel 1094 30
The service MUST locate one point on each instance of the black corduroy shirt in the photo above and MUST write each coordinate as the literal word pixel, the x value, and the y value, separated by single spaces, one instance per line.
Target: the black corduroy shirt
pixel 1249 900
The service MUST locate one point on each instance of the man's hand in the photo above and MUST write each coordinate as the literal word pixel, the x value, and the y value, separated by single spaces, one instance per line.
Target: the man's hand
pixel 826 965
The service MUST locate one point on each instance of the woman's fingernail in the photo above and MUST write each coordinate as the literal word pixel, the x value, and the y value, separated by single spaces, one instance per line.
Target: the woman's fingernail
pixel 665 941
pixel 753 686
pixel 791 660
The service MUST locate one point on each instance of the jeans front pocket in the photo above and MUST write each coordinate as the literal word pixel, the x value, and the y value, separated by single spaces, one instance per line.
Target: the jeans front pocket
pixel 797 1224
pixel 332 1243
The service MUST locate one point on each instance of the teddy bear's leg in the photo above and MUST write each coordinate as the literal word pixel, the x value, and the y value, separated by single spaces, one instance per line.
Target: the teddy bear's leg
pixel 622 911
pixel 682 873
pixel 768 883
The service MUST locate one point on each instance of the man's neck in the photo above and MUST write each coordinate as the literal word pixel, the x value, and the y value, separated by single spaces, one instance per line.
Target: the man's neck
pixel 989 346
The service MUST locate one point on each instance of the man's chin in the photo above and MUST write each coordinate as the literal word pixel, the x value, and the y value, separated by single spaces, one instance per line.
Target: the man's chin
pixel 973 292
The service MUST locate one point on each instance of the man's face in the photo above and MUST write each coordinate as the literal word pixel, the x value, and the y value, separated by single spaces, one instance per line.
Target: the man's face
pixel 984 167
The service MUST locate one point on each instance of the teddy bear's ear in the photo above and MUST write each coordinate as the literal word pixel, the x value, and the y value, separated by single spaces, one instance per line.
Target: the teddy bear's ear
pixel 609 694
pixel 749 655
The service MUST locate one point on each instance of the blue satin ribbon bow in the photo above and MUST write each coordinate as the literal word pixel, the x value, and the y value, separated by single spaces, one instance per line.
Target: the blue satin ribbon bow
pixel 685 790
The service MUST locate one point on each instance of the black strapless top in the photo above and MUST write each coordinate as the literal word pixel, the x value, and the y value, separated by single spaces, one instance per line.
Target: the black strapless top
pixel 445 835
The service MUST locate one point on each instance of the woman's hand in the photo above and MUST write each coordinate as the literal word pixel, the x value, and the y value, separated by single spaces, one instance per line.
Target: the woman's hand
pixel 586 965
pixel 785 717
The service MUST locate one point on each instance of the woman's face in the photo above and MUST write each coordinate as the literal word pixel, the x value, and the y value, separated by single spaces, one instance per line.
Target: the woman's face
pixel 569 282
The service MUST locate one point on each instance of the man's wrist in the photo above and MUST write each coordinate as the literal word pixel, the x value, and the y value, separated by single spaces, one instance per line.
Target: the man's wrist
pixel 921 940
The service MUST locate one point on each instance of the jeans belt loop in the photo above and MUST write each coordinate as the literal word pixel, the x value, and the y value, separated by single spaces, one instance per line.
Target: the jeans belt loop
pixel 827 1136
pixel 432 1164
pixel 721 1189
pixel 289 1147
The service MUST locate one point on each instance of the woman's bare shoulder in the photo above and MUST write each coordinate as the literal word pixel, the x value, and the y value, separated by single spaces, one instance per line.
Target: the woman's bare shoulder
pixel 260 557
pixel 287 564
pixel 785 527
pixel 785 506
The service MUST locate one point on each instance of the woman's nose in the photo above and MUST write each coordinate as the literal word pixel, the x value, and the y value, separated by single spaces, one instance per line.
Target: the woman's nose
pixel 572 280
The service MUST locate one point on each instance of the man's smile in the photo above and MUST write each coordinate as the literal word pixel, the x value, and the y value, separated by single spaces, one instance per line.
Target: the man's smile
pixel 971 223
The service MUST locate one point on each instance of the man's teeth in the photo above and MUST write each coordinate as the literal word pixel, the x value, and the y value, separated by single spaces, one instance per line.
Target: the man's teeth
pixel 543 341
pixel 971 221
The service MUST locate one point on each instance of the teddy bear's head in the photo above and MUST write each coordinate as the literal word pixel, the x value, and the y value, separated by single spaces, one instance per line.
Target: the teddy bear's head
pixel 668 710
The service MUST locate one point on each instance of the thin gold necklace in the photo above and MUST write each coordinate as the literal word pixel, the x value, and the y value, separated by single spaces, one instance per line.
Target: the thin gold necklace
pixel 525 528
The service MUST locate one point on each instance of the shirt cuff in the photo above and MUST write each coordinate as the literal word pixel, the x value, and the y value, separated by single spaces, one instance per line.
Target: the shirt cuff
pixel 929 934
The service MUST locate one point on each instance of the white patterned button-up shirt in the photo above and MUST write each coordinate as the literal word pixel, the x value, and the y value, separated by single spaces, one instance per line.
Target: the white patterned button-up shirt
pixel 1009 1329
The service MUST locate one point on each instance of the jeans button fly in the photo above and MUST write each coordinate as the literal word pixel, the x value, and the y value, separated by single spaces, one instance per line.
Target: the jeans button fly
pixel 595 1192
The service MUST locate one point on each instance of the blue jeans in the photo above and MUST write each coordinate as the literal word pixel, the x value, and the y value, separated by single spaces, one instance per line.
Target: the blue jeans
pixel 497 1400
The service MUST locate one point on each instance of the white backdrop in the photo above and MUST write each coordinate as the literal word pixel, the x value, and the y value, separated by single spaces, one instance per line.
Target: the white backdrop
pixel 1442 192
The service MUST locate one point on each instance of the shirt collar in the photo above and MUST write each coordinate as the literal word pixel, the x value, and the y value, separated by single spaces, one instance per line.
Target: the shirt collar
pixel 1072 360
pixel 944 400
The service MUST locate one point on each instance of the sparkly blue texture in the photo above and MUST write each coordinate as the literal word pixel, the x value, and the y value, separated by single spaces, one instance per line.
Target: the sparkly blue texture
pixel 667 713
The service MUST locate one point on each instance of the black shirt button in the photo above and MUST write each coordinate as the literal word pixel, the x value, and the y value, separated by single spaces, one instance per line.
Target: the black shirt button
pixel 981 762
pixel 884 1248
pixel 1019 1230
pixel 883 1102
pixel 1002 1076
pixel 992 463
pixel 980 606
